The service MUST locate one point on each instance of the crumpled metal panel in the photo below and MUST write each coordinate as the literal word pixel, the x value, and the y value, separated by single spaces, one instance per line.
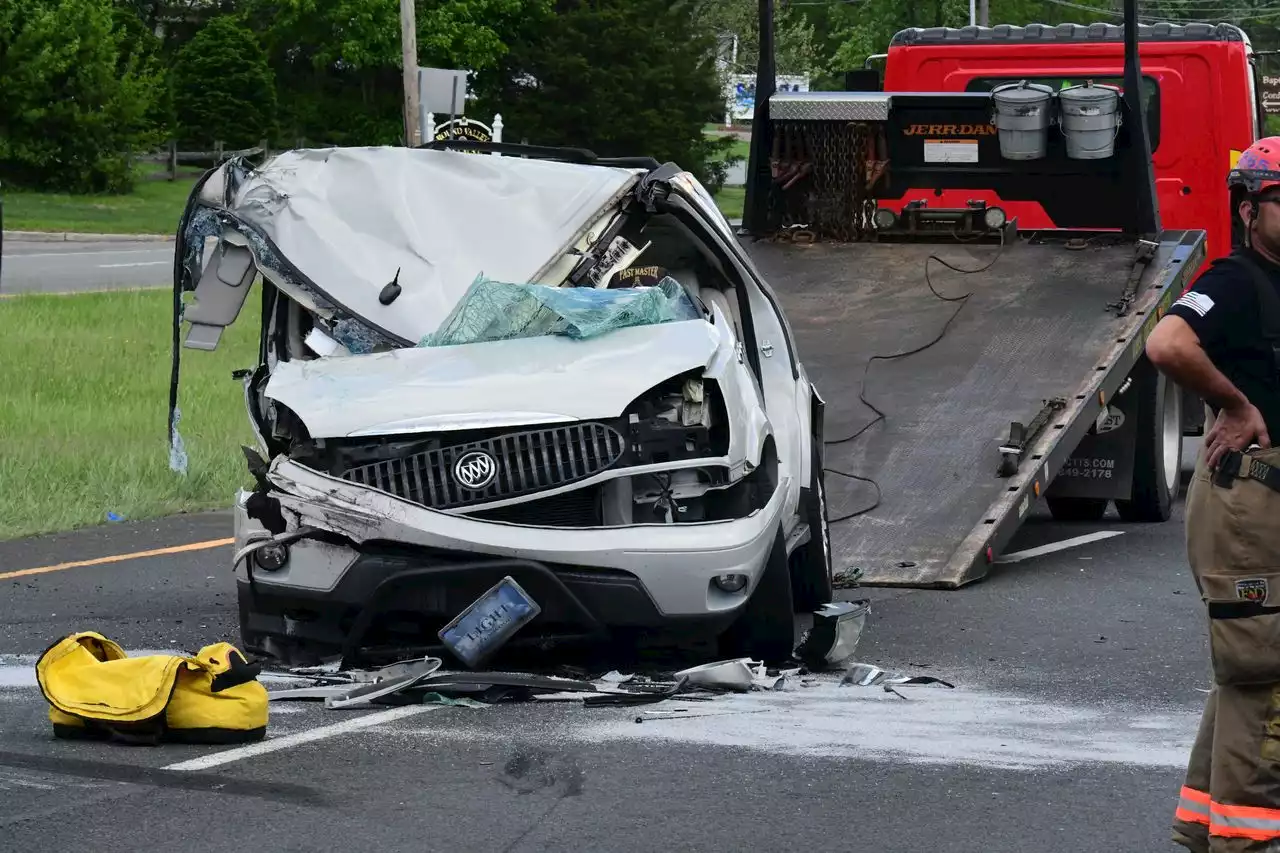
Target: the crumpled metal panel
pixel 829 106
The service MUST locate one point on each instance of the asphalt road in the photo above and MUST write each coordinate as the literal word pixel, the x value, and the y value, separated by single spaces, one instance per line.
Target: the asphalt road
pixel 31 267
pixel 1077 694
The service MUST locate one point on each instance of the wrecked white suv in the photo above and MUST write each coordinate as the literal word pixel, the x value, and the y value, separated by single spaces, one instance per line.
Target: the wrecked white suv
pixel 553 366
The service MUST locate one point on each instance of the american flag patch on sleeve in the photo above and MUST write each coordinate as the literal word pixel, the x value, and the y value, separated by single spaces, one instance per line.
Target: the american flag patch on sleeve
pixel 1197 302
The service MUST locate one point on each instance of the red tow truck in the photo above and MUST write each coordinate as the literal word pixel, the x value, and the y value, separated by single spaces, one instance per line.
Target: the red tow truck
pixel 1200 89
pixel 1201 93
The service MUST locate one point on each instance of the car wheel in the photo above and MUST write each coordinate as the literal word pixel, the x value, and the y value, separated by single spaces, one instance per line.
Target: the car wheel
pixel 766 630
pixel 811 583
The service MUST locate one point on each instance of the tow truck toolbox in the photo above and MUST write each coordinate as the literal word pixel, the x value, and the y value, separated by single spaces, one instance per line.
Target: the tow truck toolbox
pixel 1024 379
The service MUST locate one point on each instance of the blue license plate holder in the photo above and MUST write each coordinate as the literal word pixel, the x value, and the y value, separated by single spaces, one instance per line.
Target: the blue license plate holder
pixel 480 630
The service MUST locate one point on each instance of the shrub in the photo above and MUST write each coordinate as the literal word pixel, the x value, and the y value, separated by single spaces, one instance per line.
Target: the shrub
pixel 223 88
pixel 73 103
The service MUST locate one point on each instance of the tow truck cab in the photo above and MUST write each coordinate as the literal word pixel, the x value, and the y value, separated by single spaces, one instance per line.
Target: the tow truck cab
pixel 1200 89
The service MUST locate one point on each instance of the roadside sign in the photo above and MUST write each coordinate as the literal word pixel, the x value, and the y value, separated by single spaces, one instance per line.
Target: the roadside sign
pixel 1271 93
pixel 443 90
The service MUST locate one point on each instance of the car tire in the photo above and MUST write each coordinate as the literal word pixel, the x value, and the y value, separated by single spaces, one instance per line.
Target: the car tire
pixel 1077 509
pixel 1157 449
pixel 766 629
pixel 811 581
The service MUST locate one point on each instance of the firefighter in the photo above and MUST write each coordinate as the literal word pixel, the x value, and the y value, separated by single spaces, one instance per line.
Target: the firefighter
pixel 1222 341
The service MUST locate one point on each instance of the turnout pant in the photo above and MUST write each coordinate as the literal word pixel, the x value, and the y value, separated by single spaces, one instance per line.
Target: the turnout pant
pixel 1230 800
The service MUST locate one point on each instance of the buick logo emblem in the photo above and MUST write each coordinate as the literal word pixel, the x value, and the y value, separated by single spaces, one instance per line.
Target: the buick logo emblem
pixel 475 469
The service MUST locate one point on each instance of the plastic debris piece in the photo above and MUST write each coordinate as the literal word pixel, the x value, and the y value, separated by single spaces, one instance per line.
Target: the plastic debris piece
pixel 627 699
pixel 615 677
pixel 177 448
pixel 870 675
pixel 833 639
pixel 761 679
pixel 365 693
pixel 111 516
pixel 441 699
pixel 426 666
pixel 738 674
pixel 496 311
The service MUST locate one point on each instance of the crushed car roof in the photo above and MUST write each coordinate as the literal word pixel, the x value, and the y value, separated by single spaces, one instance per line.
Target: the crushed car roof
pixel 349 219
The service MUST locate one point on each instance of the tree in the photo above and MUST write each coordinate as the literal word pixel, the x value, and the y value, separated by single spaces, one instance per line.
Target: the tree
pixel 72 103
pixel 223 88
pixel 796 50
pixel 338 61
pixel 620 77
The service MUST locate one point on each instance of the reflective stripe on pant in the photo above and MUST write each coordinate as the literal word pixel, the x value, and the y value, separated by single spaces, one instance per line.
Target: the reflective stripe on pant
pixel 1193 807
pixel 1244 822
pixel 1230 800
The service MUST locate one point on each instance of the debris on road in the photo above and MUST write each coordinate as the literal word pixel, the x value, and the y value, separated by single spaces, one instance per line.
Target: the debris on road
pixel 738 675
pixel 869 675
pixel 833 639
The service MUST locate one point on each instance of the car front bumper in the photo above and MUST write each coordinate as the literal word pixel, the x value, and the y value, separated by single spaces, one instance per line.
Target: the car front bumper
pixel 381 566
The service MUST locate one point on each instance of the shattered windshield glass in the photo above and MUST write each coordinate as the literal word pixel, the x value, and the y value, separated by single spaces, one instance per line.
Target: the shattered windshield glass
pixel 498 311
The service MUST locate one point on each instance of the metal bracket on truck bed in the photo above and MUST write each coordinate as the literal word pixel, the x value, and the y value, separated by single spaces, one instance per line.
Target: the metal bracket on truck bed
pixel 1146 250
pixel 1021 437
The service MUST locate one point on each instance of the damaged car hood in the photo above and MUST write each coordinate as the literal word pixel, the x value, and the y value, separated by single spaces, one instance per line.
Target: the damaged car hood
pixel 500 383
pixel 353 220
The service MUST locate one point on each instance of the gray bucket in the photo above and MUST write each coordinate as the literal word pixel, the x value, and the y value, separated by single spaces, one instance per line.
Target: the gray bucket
pixel 1023 113
pixel 1090 120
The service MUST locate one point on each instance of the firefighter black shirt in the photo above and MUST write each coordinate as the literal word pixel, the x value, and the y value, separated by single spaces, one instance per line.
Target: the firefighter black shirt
pixel 1223 309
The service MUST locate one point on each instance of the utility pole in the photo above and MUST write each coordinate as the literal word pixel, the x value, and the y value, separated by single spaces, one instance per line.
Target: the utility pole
pixel 409 57
pixel 759 178
pixel 984 13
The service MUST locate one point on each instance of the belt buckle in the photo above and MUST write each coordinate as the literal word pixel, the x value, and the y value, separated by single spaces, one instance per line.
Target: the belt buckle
pixel 1228 469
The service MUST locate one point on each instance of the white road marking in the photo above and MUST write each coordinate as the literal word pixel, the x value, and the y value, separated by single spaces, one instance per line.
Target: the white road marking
pixel 137 264
pixel 1019 556
pixel 20 256
pixel 309 736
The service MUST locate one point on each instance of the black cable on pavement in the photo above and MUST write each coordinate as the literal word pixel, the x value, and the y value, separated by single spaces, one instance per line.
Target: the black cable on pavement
pixel 862 391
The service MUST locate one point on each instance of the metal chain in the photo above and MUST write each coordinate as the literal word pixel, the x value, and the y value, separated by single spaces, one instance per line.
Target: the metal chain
pixel 822 175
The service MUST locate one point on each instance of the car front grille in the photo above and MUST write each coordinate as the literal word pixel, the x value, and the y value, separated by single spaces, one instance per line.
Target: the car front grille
pixel 579 508
pixel 514 464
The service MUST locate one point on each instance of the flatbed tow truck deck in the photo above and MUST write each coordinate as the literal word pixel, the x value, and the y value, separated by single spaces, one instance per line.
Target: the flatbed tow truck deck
pixel 1036 327
pixel 971 366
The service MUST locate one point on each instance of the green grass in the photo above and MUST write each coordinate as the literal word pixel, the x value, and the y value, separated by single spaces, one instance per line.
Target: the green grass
pixel 730 201
pixel 153 207
pixel 83 411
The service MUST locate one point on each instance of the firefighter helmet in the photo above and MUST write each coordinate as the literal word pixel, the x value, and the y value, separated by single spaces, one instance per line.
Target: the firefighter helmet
pixel 1258 168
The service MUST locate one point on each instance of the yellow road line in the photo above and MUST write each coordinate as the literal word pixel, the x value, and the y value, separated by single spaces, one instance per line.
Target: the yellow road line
pixel 119 558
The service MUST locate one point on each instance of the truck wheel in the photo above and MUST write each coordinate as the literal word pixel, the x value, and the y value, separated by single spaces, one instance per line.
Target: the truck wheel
pixel 1157 451
pixel 1077 509
pixel 1192 417
pixel 766 630
pixel 811 584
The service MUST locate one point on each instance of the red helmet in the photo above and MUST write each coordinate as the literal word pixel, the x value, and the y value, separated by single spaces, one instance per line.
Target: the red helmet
pixel 1258 167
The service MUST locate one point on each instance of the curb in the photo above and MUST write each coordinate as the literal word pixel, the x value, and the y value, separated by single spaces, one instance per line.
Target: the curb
pixel 75 237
